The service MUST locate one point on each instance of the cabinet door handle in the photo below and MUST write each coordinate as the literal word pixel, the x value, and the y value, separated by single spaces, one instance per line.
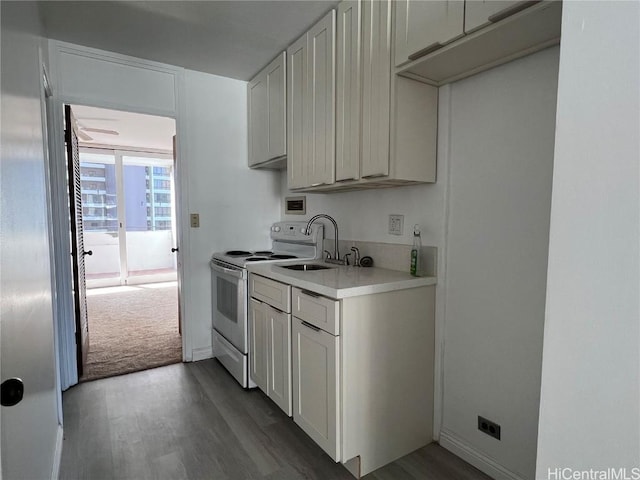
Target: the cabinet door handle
pixel 513 9
pixel 425 51
pixel 311 294
pixel 312 327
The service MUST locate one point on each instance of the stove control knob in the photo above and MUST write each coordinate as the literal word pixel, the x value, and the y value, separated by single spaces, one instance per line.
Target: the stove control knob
pixel 276 228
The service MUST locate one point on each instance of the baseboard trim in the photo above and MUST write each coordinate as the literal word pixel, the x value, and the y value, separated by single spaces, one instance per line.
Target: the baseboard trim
pixel 201 353
pixel 57 454
pixel 469 454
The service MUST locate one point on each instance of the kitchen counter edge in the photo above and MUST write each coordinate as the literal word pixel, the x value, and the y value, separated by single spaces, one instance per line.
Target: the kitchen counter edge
pixel 342 281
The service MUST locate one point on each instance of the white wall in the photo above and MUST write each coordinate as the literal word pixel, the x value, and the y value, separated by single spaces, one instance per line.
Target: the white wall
pixel 29 429
pixel 495 155
pixel 501 162
pixel 236 205
pixel 590 399
pixel 364 215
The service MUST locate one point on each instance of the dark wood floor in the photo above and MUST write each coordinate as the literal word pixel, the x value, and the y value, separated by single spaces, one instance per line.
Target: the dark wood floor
pixel 193 421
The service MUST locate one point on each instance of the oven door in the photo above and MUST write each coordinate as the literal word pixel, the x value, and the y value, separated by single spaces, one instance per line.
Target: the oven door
pixel 229 304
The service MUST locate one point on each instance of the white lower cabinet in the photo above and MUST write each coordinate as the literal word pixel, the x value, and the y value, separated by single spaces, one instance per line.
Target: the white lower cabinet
pixel 279 359
pixel 315 385
pixel 258 341
pixel 270 352
pixel 355 373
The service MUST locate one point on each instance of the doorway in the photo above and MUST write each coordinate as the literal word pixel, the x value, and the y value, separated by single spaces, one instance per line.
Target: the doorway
pixel 128 222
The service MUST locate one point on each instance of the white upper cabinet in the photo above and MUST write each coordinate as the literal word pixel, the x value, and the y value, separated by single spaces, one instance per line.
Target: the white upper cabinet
pixel 348 90
pixel 258 120
pixel 267 114
pixel 297 107
pixel 386 126
pixel 322 98
pixel 276 101
pixel 479 13
pixel 423 26
pixel 376 88
pixel 311 59
pixel 495 32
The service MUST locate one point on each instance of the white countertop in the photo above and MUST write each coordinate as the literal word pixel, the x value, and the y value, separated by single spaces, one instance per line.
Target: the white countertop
pixel 342 282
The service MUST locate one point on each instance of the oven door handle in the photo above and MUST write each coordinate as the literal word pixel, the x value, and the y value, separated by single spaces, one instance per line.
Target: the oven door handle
pixel 229 271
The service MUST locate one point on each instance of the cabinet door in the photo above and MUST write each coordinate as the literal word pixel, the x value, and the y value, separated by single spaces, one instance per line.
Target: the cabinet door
pixel 423 26
pixel 258 120
pixel 321 92
pixel 258 341
pixel 376 88
pixel 349 46
pixel 479 13
pixel 280 359
pixel 276 101
pixel 297 106
pixel 315 385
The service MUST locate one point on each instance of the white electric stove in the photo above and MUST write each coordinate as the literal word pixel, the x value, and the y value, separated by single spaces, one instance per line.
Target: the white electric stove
pixel 229 290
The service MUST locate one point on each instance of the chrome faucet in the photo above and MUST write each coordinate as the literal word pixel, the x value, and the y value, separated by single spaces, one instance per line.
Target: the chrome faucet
pixel 336 254
pixel 356 256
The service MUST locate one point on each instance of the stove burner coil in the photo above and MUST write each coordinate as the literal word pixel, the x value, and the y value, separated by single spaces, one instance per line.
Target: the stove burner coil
pixel 238 253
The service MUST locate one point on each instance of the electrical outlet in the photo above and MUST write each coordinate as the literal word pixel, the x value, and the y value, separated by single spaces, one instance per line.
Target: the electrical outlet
pixel 490 428
pixel 396 224
pixel 195 220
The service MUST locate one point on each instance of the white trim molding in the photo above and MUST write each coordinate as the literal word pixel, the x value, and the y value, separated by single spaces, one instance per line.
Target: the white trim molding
pixel 459 447
pixel 203 353
pixel 57 454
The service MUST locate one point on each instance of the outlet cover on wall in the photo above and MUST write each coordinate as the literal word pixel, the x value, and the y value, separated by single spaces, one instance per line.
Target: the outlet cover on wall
pixel 396 224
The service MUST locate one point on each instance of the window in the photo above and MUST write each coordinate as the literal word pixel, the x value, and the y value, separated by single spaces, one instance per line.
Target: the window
pixel 162 198
pixel 161 184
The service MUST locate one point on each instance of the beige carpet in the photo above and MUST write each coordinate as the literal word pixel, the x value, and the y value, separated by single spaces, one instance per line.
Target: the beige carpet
pixel 132 328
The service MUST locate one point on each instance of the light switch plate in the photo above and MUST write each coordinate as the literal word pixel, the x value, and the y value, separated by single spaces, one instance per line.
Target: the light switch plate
pixel 396 224
pixel 195 220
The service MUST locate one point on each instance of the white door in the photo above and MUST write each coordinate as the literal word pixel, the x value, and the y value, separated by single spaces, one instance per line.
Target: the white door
pixel 276 103
pixel 297 106
pixel 348 92
pixel 315 384
pixel 322 96
pixel 29 428
pixel 279 387
pixel 422 27
pixel 258 343
pixel 482 12
pixel 376 88
pixel 258 120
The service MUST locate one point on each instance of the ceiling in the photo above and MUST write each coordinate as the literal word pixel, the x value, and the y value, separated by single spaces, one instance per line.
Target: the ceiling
pixel 134 130
pixel 229 38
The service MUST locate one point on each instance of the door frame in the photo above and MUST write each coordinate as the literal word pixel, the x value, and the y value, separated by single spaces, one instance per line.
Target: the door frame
pixel 65 91
pixel 67 345
pixel 161 91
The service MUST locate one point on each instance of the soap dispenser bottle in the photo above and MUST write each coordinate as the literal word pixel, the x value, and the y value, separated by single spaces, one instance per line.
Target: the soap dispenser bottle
pixel 415 251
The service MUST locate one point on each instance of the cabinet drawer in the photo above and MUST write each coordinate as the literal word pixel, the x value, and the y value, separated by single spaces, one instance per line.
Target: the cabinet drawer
pixel 276 294
pixel 319 311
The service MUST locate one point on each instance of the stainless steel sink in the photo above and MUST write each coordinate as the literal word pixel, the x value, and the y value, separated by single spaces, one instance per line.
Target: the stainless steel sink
pixel 305 267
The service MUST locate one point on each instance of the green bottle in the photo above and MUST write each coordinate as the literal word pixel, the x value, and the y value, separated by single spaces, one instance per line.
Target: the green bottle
pixel 415 251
